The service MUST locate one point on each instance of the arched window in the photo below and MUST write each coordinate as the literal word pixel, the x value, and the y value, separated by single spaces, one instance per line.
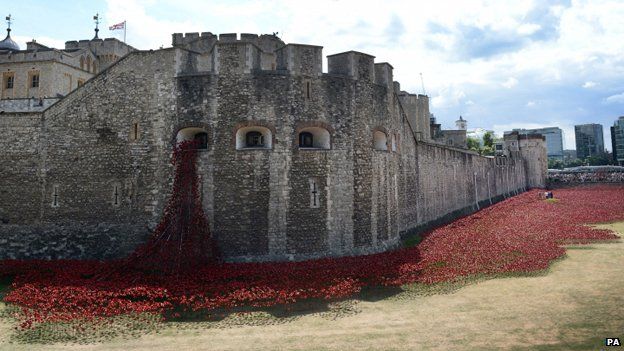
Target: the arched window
pixel 94 67
pixel 254 137
pixel 82 62
pixel 88 63
pixel 306 139
pixel 380 141
pixel 314 138
pixel 193 133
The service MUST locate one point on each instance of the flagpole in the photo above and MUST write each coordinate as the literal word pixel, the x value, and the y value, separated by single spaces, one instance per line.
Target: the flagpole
pixel 124 31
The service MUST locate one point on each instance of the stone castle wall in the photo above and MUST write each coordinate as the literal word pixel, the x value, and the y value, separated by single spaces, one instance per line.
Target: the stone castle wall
pixel 26 105
pixel 99 178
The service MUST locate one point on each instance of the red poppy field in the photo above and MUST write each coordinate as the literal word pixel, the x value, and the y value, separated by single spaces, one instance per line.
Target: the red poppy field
pixel 520 234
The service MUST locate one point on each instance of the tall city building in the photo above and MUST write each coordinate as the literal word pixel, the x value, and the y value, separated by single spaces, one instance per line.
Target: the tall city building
pixel 617 141
pixel 589 140
pixel 554 140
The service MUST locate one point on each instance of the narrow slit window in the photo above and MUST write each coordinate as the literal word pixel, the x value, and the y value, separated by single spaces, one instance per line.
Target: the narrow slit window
pixel 116 195
pixel 135 131
pixel 55 196
pixel 307 90
pixel 315 199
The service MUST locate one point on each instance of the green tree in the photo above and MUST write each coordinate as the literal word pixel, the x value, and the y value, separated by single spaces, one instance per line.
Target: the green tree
pixel 574 163
pixel 488 140
pixel 555 164
pixel 488 151
pixel 598 160
pixel 473 144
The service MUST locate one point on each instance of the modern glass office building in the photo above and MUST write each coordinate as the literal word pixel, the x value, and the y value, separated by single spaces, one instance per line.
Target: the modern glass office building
pixel 617 141
pixel 554 140
pixel 589 140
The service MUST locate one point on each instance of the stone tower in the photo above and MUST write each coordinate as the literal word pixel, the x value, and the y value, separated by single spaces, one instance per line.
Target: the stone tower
pixel 461 123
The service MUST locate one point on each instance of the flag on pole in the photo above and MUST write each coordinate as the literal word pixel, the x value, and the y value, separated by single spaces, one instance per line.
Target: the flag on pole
pixel 121 25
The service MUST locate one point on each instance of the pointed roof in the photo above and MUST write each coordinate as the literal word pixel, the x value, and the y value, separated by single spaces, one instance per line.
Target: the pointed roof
pixel 8 43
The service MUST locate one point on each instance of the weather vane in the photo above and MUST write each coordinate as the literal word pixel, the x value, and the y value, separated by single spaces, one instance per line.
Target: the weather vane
pixel 8 19
pixel 96 18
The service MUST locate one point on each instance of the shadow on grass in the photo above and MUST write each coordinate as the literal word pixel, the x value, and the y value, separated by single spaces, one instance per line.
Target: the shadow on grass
pixel 5 285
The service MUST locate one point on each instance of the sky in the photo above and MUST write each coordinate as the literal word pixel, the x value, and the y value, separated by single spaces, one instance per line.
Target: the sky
pixel 499 64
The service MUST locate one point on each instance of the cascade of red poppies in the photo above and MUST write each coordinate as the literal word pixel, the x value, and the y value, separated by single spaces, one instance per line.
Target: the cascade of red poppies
pixel 182 241
pixel 520 234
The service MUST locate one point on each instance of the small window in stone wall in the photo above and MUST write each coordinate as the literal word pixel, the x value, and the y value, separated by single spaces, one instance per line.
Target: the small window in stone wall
pixel 34 80
pixel 9 80
pixel 134 132
pixel 196 134
pixel 80 82
pixel 202 140
pixel 315 198
pixel 306 139
pixel 394 145
pixel 254 137
pixel 308 87
pixel 55 196
pixel 116 201
pixel 314 138
pixel 380 141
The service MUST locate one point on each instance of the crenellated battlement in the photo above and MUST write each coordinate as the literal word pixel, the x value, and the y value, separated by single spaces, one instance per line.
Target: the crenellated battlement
pixel 195 40
pixel 249 52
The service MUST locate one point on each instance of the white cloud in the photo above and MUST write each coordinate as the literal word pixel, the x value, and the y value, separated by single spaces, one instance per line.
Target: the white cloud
pixel 589 84
pixel 510 83
pixel 531 104
pixel 617 98
pixel 528 28
pixel 47 41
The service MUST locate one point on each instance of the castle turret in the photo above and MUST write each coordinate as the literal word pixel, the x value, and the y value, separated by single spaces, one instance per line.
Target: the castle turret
pixel 8 43
pixel 383 74
pixel 301 59
pixel 357 65
pixel 461 124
